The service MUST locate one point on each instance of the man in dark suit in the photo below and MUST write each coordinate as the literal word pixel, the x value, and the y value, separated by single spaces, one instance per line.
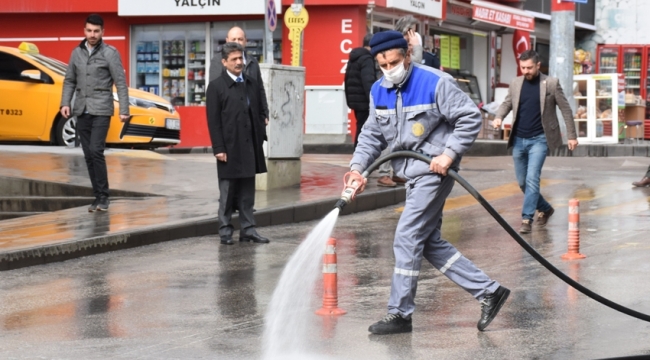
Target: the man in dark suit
pixel 533 98
pixel 237 130
pixel 251 66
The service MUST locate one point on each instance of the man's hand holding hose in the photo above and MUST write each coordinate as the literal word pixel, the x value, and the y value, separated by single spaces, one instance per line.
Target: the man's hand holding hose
pixel 355 176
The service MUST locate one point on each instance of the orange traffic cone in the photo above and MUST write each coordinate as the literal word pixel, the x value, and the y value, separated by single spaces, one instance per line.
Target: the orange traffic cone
pixel 330 293
pixel 574 232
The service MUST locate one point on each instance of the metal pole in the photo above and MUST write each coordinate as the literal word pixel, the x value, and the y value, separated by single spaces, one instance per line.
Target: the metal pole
pixel 268 36
pixel 302 34
pixel 562 47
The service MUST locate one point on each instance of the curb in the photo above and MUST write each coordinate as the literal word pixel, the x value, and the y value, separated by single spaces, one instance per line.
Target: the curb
pixel 480 148
pixel 206 225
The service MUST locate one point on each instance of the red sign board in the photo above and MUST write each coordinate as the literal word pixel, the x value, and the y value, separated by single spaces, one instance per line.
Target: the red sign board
pixel 460 10
pixel 504 18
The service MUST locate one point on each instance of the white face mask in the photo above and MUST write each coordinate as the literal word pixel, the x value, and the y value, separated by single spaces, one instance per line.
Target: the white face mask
pixel 395 75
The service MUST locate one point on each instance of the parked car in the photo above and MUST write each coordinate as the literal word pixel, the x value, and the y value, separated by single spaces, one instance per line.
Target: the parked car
pixel 31 85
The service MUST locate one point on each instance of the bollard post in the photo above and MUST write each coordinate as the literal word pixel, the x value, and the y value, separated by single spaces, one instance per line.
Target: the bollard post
pixel 330 283
pixel 573 252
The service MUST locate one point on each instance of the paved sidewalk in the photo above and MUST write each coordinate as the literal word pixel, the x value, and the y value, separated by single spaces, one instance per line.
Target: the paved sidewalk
pixel 178 199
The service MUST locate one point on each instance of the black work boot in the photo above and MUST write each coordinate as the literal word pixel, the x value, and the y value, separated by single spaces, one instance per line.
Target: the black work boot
pixel 103 203
pixel 391 324
pixel 93 206
pixel 491 305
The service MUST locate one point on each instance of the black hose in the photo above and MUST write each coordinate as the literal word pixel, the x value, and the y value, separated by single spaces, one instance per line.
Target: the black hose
pixel 511 231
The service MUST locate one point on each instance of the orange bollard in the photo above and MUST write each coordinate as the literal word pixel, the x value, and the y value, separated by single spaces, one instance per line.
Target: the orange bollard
pixel 330 292
pixel 574 232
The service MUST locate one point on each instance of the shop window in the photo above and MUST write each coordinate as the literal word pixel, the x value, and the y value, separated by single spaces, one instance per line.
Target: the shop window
pixel 454 50
pixel 147 59
pixel 585 13
pixel 173 60
pixel 544 51
pixel 196 67
pixel 254 30
pixel 170 61
pixel 540 6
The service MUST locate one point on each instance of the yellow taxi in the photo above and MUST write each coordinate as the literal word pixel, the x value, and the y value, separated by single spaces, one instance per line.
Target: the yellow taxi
pixel 30 95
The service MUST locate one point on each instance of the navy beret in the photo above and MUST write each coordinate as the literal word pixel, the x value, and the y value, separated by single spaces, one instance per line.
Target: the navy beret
pixel 387 40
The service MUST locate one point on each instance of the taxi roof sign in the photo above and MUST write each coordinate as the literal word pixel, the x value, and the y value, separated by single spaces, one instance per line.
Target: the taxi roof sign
pixel 28 48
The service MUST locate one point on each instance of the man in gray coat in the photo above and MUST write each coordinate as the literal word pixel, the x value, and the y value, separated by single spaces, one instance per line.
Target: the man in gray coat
pixel 533 98
pixel 418 108
pixel 93 69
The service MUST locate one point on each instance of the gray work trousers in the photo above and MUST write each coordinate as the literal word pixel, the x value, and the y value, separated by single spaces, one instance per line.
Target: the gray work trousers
pixel 418 235
pixel 385 169
pixel 242 191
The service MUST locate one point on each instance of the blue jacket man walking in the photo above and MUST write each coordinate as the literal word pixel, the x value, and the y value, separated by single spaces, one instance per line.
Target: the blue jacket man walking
pixel 418 108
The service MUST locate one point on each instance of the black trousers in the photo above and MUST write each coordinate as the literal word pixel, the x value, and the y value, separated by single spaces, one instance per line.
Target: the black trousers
pixel 92 133
pixel 243 192
pixel 362 116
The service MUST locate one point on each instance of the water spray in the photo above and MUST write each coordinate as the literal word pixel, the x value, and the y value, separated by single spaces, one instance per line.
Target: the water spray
pixel 352 187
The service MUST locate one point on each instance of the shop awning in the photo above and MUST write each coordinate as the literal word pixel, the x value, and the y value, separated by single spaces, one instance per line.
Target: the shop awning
pixel 502 15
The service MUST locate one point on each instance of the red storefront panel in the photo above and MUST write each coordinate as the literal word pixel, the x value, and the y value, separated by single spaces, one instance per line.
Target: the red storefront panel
pixel 194 127
pixel 57 34
pixel 332 32
pixel 58 6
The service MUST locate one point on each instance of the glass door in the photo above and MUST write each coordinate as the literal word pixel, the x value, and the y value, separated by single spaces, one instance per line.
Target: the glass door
pixel 608 59
pixel 173 73
pixel 646 74
pixel 147 59
pixel 597 110
pixel 632 61
pixel 196 71
pixel 580 92
pixel 604 96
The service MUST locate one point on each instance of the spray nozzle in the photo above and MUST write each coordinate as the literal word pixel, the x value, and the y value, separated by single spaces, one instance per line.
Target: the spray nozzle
pixel 352 182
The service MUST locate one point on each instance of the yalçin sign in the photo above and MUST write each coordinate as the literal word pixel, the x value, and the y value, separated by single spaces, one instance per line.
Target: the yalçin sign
pixel 192 7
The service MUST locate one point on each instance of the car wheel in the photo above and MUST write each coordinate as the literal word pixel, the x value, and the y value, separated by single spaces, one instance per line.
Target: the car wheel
pixel 65 131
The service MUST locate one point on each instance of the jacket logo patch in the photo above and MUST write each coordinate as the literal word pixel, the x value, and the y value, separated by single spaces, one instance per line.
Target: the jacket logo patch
pixel 417 129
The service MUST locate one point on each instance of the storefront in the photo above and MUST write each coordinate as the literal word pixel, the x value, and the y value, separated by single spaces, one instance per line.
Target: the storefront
pixel 166 45
pixel 335 28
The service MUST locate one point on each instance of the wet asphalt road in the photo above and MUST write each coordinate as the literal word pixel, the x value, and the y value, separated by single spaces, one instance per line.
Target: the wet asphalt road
pixel 196 299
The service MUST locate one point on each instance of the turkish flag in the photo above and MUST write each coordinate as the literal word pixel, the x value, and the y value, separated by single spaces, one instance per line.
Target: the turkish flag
pixel 520 43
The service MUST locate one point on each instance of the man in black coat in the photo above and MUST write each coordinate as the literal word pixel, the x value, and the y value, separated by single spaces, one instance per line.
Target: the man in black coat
pixel 359 76
pixel 251 66
pixel 237 130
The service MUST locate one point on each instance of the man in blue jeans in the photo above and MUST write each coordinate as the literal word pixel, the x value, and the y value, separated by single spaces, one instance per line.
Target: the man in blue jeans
pixel 532 98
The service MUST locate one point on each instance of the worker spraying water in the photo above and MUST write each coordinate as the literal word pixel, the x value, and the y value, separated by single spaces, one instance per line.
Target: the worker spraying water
pixel 418 108
pixel 428 123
